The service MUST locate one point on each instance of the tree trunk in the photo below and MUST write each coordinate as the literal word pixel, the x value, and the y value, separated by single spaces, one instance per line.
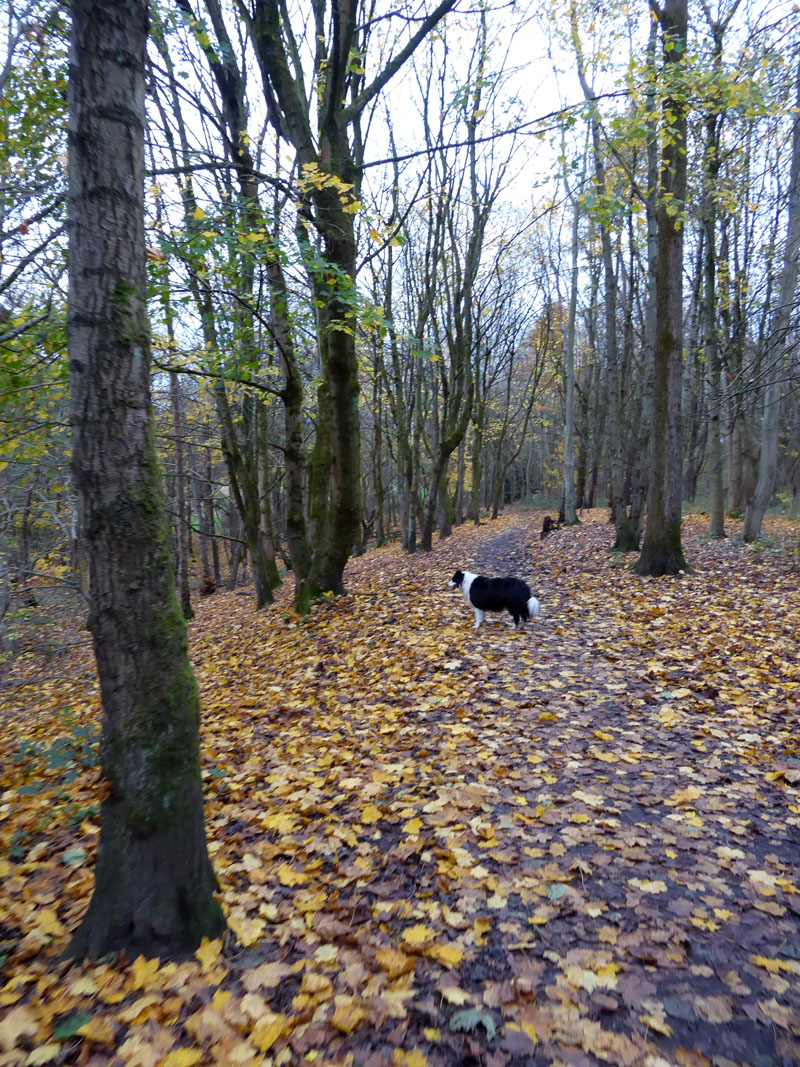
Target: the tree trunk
pixel 210 520
pixel 477 463
pixel 716 527
pixel 458 516
pixel 197 492
pixel 570 515
pixel 640 474
pixel 662 551
pixel 781 324
pixel 154 884
pixel 624 541
pixel 184 592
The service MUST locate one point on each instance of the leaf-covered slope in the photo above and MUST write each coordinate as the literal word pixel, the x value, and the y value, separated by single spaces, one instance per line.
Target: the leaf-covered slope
pixel 574 843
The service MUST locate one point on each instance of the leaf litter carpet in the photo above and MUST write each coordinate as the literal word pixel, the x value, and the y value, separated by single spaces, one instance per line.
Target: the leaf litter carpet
pixel 574 844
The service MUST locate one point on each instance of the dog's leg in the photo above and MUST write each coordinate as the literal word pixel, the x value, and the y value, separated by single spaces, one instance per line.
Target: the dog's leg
pixel 479 617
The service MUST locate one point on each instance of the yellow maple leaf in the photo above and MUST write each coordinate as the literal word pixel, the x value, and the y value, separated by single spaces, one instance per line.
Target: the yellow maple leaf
pixel 454 918
pixel 141 1009
pixel 182 1057
pixel 414 1058
pixel 418 935
pixel 394 1001
pixel 318 985
pixel 481 930
pixel 43 1054
pixel 581 978
pixel 282 822
pixel 85 986
pixel 763 882
pixel 144 971
pixel 394 962
pixel 349 1013
pixel 607 974
pixel 413 826
pixel 685 796
pixel 268 1029
pixel 776 965
pixel 647 885
pixel 208 953
pixel 248 931
pixel 47 922
pixel 101 1031
pixel 370 814
pixel 454 994
pixel 18 1023
pixel 448 955
pixel 657 1023
pixel 287 875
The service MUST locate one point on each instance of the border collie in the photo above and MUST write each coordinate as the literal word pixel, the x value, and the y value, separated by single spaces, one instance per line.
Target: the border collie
pixel 496 594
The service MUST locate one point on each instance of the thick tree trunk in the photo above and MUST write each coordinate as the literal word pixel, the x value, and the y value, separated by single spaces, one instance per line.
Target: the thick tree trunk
pixel 662 550
pixel 154 885
pixel 438 472
pixel 340 478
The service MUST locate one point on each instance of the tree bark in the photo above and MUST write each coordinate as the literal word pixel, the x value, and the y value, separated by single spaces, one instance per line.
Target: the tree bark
pixel 154 884
pixel 182 527
pixel 239 450
pixel 570 514
pixel 779 329
pixel 625 540
pixel 662 550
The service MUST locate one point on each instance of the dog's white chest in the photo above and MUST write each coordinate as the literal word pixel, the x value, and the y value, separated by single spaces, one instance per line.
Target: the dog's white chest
pixel 466 585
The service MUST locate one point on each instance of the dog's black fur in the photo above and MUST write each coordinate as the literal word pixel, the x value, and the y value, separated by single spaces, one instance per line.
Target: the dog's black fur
pixel 496 594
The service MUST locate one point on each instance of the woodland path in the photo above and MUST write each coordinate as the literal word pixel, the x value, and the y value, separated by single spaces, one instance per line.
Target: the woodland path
pixel 578 843
pixel 684 832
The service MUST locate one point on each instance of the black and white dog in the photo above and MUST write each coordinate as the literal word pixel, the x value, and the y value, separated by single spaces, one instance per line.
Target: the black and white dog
pixel 496 594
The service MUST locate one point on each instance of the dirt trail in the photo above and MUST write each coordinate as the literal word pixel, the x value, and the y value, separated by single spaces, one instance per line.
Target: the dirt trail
pixel 656 802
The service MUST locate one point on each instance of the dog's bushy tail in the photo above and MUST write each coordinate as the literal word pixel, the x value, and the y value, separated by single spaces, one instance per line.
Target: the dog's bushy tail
pixel 534 607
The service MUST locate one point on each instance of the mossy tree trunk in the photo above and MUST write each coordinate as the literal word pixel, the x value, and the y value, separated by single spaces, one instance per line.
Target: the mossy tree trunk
pixel 662 550
pixel 330 153
pixel 154 884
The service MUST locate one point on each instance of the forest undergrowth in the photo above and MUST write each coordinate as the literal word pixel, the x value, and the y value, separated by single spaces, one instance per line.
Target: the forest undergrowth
pixel 577 843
